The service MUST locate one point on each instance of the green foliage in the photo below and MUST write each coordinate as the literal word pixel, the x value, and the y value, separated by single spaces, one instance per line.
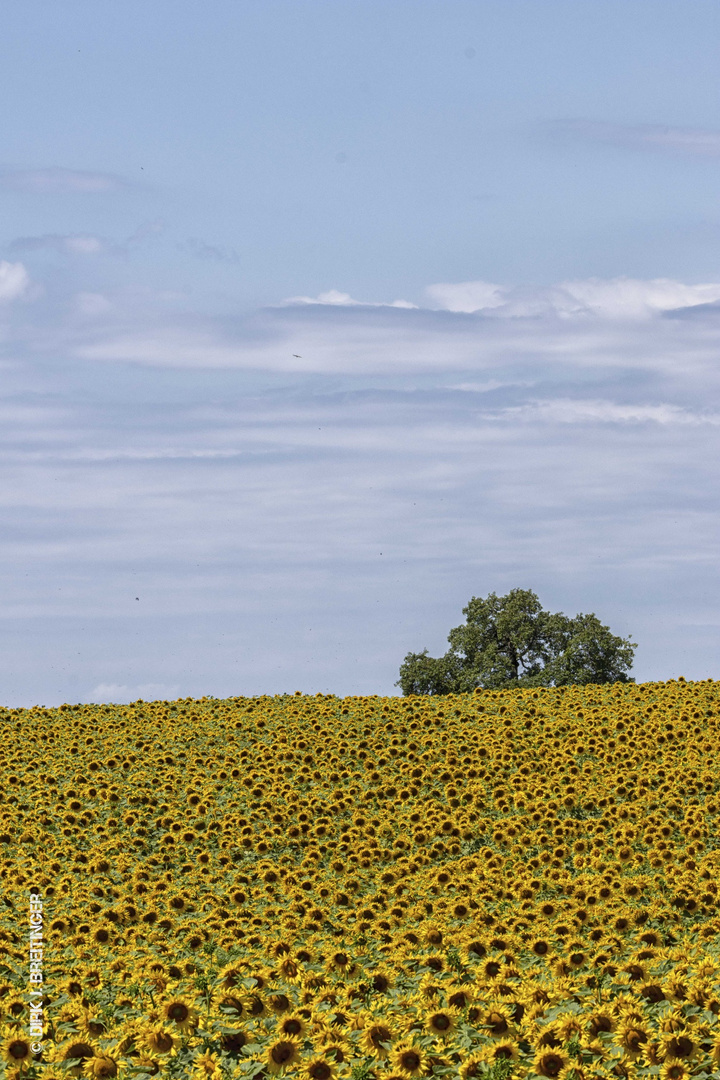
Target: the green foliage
pixel 362 1071
pixel 501 1069
pixel 509 641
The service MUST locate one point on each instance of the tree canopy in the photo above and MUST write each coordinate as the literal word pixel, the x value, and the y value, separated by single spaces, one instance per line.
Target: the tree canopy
pixel 510 640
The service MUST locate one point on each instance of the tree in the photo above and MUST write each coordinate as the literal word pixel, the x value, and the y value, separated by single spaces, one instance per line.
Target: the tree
pixel 511 641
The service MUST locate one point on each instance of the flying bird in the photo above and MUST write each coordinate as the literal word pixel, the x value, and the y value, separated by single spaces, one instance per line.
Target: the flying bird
pixel 296 356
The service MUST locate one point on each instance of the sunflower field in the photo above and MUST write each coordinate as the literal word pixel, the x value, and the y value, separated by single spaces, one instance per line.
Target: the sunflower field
pixel 521 883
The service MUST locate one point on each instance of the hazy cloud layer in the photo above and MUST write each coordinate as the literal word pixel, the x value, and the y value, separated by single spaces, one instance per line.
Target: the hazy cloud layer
pixel 59 181
pixel 620 298
pixel 73 244
pixel 14 281
pixel 693 142
pixel 472 326
pixel 200 249
pixel 188 506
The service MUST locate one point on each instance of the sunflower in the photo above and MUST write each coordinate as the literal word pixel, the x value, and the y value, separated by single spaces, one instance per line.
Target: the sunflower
pixel 16 1050
pixel 679 1046
pixel 318 1068
pixel 339 961
pixel 255 1006
pixel 71 1050
pixel 506 1050
pixel 279 1003
pixel 15 1010
pixel 381 981
pixel 102 1067
pixel 207 1066
pixel 549 1063
pixel 159 1041
pixel 91 1025
pixel 652 1054
pixel 567 1025
pixel 496 1021
pixel 334 1047
pixel 292 1027
pixel 229 1005
pixel 231 975
pixel 632 1037
pixel 281 1055
pixel 180 1012
pixel 71 986
pixel 540 947
pixel 429 988
pixel 441 1022
pixel 409 1061
pixel 459 997
pixel 377 1040
pixel 674 1070
pixel 599 1022
pixel 474 1066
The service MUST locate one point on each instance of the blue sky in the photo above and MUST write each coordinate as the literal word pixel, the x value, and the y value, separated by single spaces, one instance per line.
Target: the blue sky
pixel 317 319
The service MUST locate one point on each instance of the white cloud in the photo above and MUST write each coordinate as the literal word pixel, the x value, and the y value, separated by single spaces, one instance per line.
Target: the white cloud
pixel 120 694
pixel 466 296
pixel 577 411
pixel 200 249
pixel 59 181
pixel 302 523
pixel 695 142
pixel 341 299
pixel 72 244
pixel 14 280
pixel 618 323
pixel 630 298
pixel 91 305
pixel 616 298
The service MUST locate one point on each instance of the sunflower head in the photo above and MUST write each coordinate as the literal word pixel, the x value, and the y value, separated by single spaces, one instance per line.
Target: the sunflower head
pixel 159 1041
pixel 474 1066
pixel 207 1065
pixel 377 1040
pixel 319 1068
pixel 679 1046
pixel 599 1022
pixel 497 1021
pixel 409 1061
pixel 179 1012
pixel 281 1054
pixel 103 1067
pixel 441 1022
pixel 75 1050
pixel 292 1026
pixel 674 1070
pixel 632 1037
pixel 16 1050
pixel 255 1005
pixel 278 1003
pixel 503 1050
pixel 549 1063
pixel 381 982
pixel 229 1005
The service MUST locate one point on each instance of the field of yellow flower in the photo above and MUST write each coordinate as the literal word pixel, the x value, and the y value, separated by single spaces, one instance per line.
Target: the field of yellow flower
pixel 503 884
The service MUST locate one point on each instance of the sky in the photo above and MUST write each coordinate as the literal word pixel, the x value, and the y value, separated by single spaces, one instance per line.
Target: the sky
pixel 319 318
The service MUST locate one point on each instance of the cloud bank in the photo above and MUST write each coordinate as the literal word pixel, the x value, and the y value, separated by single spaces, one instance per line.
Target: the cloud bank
pixel 55 181
pixel 73 244
pixel 658 138
pixel 14 281
pixel 618 298
pixel 468 326
pixel 295 497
